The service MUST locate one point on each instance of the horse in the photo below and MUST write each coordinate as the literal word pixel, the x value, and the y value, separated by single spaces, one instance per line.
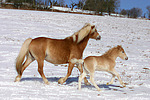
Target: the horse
pixel 106 62
pixel 55 51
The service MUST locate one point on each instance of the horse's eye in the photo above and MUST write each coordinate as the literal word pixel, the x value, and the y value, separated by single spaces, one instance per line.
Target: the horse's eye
pixel 122 51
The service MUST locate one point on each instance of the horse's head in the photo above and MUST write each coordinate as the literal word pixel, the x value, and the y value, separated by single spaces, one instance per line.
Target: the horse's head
pixel 87 30
pixel 94 34
pixel 122 53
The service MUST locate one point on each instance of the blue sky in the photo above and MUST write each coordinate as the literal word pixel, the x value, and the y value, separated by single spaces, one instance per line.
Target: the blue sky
pixel 128 4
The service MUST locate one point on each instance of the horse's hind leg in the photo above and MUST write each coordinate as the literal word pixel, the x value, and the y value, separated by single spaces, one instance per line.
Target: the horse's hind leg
pixel 63 79
pixel 81 71
pixel 92 81
pixel 81 78
pixel 40 70
pixel 25 65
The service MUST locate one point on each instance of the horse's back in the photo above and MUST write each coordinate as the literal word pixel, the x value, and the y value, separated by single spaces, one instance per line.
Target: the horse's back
pixel 56 51
pixel 97 63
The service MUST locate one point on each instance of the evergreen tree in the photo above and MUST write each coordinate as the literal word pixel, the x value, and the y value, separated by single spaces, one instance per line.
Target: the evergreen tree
pixel 102 5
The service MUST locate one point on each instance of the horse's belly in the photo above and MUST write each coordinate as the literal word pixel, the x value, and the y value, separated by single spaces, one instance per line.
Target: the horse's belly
pixel 57 60
pixel 104 67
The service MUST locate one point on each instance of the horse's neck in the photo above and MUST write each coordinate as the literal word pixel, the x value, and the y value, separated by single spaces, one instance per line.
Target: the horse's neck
pixel 82 45
pixel 111 55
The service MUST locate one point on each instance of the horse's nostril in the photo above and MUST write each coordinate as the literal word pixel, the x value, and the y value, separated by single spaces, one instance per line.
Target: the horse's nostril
pixel 98 38
pixel 126 58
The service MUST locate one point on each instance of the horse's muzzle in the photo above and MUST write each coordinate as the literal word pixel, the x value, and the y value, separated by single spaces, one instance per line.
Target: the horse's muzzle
pixel 126 58
pixel 98 38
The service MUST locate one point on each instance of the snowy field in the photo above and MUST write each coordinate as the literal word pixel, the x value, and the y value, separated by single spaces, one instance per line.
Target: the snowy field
pixel 132 34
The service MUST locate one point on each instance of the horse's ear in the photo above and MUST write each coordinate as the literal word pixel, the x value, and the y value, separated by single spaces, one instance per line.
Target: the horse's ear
pixel 93 26
pixel 119 47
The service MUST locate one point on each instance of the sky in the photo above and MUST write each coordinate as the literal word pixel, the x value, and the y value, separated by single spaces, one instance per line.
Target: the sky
pixel 127 4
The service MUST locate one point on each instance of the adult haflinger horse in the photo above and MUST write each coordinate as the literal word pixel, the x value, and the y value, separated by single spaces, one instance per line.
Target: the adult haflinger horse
pixel 106 62
pixel 56 51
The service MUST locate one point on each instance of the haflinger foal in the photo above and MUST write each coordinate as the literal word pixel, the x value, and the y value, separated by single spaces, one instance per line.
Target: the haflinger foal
pixel 56 51
pixel 106 62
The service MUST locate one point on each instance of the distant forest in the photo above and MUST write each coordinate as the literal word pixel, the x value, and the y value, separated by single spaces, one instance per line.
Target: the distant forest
pixel 99 6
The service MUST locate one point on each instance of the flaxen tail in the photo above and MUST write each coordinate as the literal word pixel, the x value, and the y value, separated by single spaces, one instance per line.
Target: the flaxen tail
pixel 22 54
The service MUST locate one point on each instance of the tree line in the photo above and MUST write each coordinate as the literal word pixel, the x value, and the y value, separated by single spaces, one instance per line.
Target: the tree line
pixel 135 12
pixel 93 5
pixel 99 6
pixel 36 3
pixel 109 6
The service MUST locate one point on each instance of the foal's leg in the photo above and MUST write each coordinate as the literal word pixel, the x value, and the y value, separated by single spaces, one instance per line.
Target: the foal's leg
pixel 40 70
pixel 92 81
pixel 63 79
pixel 81 78
pixel 112 79
pixel 81 71
pixel 115 73
pixel 25 65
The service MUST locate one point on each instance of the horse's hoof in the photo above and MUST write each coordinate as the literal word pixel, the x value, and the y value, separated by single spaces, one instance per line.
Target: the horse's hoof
pixel 47 83
pixel 60 81
pixel 107 84
pixel 17 79
pixel 99 90
pixel 124 85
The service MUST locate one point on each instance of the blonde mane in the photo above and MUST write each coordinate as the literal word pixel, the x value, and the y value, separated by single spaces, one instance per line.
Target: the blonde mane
pixel 82 33
pixel 110 51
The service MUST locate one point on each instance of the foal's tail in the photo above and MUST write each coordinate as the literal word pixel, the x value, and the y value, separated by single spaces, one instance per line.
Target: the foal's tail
pixel 77 61
pixel 22 54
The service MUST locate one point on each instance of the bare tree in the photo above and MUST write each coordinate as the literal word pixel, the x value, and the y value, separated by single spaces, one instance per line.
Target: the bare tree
pixel 123 12
pixel 61 3
pixel 135 12
pixel 148 8
pixel 73 4
pixel 0 3
pixel 81 4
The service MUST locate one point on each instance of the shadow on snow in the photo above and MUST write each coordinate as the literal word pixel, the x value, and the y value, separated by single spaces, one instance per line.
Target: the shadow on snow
pixel 74 79
pixel 51 79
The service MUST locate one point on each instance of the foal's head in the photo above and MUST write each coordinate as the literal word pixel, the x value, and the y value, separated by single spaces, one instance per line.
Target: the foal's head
pixel 121 53
pixel 94 34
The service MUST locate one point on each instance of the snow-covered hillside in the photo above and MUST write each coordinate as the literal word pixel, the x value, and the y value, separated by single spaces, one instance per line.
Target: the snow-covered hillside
pixel 132 34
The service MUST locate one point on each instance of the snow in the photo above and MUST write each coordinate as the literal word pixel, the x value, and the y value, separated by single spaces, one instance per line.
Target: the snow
pixel 74 10
pixel 132 34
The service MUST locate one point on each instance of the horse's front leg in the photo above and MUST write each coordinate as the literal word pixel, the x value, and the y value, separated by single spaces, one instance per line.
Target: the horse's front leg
pixel 63 79
pixel 80 68
pixel 116 74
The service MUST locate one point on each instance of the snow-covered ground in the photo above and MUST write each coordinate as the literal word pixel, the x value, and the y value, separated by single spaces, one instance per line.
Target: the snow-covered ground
pixel 132 34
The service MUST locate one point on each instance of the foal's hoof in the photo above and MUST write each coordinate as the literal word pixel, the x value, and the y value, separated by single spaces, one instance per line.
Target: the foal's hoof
pixel 87 83
pixel 123 84
pixel 108 84
pixel 99 90
pixel 61 81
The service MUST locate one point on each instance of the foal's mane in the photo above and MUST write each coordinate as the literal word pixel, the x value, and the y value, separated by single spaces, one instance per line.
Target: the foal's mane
pixel 110 51
pixel 81 34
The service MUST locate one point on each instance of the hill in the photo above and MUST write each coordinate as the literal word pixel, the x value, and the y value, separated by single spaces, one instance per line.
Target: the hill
pixel 132 34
